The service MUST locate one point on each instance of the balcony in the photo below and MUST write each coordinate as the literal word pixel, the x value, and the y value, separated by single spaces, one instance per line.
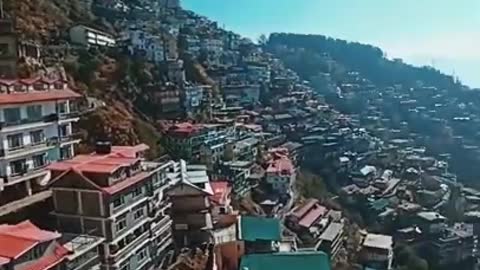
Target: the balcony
pixel 117 253
pixel 161 226
pixel 51 118
pixel 27 149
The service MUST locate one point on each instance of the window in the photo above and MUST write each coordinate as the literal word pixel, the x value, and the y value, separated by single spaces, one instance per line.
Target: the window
pixel 120 224
pixel 4 49
pixel 141 255
pixel 18 166
pixel 63 131
pixel 37 137
pixel 39 161
pixel 15 141
pixel 62 107
pixel 34 112
pixel 125 265
pixel 12 115
pixel 137 192
pixel 66 152
pixel 139 213
pixel 118 201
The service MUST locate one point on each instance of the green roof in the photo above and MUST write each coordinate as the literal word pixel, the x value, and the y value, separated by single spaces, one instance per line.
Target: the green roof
pixel 286 261
pixel 260 228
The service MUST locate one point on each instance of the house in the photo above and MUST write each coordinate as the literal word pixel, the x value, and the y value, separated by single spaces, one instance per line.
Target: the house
pixel 259 234
pixel 193 97
pixel 286 261
pixel 191 206
pixel 331 240
pixel 24 244
pixel 431 223
pixel 184 140
pixel 457 244
pixel 115 194
pixel 377 251
pixel 36 118
pixel 88 36
pixel 280 174
pixel 308 218
pixel 241 94
pixel 221 198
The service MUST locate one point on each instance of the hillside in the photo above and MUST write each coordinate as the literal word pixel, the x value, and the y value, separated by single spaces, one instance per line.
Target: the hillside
pixel 370 61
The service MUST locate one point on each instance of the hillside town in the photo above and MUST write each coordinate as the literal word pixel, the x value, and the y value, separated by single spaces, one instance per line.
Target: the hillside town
pixel 241 133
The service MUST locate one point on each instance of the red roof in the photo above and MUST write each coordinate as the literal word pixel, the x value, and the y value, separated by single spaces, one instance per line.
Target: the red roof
pixel 47 262
pixel 300 211
pixel 316 212
pixel 120 156
pixel 13 247
pixel 29 81
pixel 131 181
pixel 184 129
pixel 15 240
pixel 282 166
pixel 37 96
pixel 221 190
pixel 7 82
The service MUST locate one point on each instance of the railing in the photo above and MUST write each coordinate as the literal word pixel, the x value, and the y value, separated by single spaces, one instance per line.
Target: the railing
pixel 25 172
pixel 129 247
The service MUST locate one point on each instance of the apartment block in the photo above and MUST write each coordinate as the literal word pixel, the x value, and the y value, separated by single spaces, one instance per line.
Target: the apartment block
pixel 36 117
pixel 115 194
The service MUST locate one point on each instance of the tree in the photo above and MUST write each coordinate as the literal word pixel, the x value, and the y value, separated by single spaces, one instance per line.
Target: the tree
pixel 262 40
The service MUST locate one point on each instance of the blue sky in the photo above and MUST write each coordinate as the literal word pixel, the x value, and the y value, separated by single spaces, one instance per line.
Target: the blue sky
pixel 445 33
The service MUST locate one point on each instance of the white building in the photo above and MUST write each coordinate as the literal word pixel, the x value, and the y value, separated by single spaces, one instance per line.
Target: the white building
pixel 377 251
pixel 88 36
pixel 36 119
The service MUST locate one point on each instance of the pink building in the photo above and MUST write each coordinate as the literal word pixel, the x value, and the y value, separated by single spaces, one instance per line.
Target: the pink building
pixel 281 173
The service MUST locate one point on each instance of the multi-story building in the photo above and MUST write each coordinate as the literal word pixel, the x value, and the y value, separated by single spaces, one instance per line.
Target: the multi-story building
pixel 281 174
pixel 241 94
pixel 87 36
pixel 377 251
pixel 244 150
pixel 457 244
pixel 237 173
pixel 191 206
pixel 113 193
pixel 36 117
pixel 192 99
pixel 331 240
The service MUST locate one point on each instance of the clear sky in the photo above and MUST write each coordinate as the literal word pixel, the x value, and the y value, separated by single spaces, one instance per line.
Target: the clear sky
pixel 442 33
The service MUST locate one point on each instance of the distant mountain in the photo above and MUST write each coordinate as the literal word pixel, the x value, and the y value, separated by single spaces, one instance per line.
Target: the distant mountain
pixel 370 61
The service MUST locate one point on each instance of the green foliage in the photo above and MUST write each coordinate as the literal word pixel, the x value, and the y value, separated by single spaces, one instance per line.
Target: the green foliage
pixel 149 135
pixel 406 259
pixel 310 185
pixel 367 59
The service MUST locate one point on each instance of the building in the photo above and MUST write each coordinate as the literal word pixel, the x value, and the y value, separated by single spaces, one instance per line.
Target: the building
pixel 259 234
pixel 88 36
pixel 331 240
pixel 377 251
pixel 242 150
pixel 25 246
pixel 193 97
pixel 221 198
pixel 238 173
pixel 457 244
pixel 36 117
pixel 242 94
pixel 280 174
pixel 117 195
pixel 191 206
pixel 431 223
pixel 309 218
pixel 286 261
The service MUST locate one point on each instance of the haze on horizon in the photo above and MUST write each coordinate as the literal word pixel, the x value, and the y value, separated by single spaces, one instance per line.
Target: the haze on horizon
pixel 443 33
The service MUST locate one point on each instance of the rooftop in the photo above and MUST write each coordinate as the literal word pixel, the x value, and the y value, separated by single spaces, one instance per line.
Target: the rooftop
pixel 378 241
pixel 431 216
pixel 17 239
pixel 259 228
pixel 286 261
pixel 221 190
pixel 281 165
pixel 332 231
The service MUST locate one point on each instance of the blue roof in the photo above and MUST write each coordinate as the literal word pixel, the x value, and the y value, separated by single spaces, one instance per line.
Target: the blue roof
pixel 315 260
pixel 260 228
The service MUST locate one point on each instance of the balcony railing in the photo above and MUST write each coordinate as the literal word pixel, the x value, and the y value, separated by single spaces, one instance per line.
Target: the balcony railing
pixel 145 236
